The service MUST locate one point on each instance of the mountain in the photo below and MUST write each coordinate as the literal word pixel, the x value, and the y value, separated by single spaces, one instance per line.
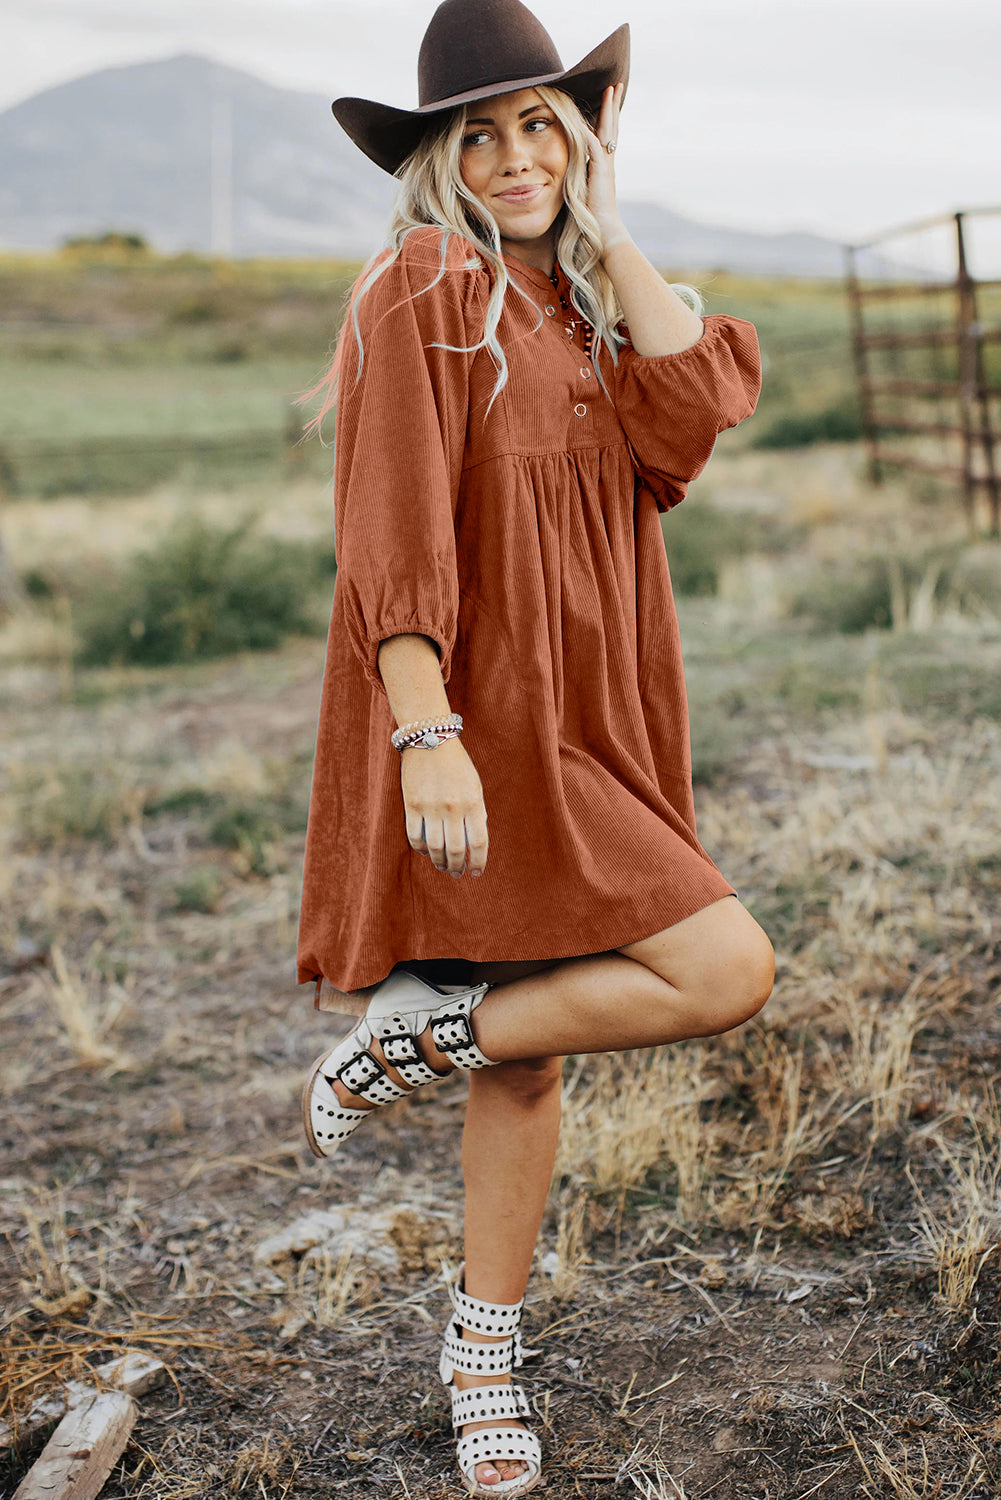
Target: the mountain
pixel 139 148
pixel 195 155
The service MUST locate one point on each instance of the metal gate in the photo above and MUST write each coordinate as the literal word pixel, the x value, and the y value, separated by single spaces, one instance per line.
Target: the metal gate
pixel 926 335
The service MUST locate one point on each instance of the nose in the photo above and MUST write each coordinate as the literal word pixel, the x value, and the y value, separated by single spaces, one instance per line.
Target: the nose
pixel 514 155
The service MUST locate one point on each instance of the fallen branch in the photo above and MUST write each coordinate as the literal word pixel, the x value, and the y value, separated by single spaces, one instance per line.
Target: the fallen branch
pixel 82 1451
pixel 134 1373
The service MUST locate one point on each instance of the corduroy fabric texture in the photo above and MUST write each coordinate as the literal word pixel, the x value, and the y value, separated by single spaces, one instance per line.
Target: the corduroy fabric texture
pixel 527 544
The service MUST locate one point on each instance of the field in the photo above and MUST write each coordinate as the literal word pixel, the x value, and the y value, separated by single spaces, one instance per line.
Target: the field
pixel 770 1264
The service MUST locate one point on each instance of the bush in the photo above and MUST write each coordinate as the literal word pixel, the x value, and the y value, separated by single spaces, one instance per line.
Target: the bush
pixel 905 591
pixel 201 890
pixel 848 601
pixel 840 423
pixel 698 537
pixel 202 592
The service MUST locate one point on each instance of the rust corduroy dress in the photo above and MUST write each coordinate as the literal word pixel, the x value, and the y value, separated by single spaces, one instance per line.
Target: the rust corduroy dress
pixel 527 544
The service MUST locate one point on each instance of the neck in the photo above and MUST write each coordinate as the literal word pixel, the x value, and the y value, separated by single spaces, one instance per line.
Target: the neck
pixel 539 253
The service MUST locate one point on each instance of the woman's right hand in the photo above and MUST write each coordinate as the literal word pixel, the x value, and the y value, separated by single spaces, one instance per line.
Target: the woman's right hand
pixel 443 798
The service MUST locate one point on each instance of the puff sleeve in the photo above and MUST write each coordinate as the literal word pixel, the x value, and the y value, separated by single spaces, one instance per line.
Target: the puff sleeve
pixel 674 406
pixel 400 436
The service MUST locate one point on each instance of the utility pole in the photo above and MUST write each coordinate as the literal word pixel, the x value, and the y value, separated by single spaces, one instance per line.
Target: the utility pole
pixel 221 186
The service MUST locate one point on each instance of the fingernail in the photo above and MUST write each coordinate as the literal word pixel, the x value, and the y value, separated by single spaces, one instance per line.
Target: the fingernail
pixel 476 873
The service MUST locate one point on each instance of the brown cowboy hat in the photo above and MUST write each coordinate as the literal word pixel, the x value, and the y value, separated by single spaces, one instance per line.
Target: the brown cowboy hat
pixel 474 49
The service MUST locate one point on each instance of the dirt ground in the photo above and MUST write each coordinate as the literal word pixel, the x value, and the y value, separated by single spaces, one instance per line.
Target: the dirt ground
pixel 769 1269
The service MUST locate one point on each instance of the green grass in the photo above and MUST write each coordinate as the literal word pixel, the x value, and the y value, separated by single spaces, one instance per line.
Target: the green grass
pixel 742 690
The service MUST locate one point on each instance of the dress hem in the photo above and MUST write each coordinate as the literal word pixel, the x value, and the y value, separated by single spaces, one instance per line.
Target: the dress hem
pixel 539 953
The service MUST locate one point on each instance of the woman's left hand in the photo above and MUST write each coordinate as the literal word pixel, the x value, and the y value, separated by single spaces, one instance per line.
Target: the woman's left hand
pixel 601 166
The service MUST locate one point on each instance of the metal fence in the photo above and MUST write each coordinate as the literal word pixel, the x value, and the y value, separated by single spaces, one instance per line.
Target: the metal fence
pixel 926 337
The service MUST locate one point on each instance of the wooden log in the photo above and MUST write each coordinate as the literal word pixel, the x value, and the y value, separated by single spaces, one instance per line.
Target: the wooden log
pixel 134 1372
pixel 83 1450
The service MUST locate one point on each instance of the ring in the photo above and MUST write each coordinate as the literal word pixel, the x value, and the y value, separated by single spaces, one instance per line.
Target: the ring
pixel 610 148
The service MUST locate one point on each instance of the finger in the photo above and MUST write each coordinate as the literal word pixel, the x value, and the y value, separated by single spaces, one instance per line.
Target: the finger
pixel 435 839
pixel 455 846
pixel 605 117
pixel 415 832
pixel 477 842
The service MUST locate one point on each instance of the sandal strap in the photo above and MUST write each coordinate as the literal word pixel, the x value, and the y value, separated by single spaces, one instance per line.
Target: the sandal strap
pixel 402 1051
pixel 495 1319
pixel 497 1444
pixel 482 1402
pixel 478 1359
pixel 365 1076
pixel 452 1031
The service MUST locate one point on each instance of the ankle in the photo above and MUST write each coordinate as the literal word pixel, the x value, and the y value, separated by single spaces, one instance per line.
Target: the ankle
pixel 433 1055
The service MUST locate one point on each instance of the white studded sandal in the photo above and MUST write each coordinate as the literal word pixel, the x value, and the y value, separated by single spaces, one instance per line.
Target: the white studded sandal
pixel 402 1007
pixel 481 1403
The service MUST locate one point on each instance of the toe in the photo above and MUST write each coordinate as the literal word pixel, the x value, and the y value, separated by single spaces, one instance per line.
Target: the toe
pixel 487 1474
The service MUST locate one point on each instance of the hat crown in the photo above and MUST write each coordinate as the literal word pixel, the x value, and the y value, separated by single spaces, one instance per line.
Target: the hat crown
pixel 471 44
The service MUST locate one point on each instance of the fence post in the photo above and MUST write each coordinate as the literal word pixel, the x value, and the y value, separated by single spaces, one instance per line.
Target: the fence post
pixel 987 431
pixel 967 356
pixel 869 432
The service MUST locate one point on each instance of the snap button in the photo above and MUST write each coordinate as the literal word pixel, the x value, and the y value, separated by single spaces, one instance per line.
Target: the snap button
pixel 585 372
pixel 581 409
pixel 550 311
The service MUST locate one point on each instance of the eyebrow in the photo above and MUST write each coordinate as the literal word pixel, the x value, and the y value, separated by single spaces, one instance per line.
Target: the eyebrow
pixel 530 111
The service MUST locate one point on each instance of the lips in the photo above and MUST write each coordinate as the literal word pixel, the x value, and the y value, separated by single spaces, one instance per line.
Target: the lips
pixel 522 194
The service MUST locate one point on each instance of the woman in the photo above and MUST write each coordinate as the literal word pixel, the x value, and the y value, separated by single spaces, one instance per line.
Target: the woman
pixel 520 395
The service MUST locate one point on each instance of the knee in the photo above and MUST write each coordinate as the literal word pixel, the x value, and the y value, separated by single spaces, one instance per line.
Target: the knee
pixel 526 1083
pixel 750 978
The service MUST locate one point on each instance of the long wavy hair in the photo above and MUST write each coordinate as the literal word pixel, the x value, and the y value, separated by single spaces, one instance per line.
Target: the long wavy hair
pixel 431 192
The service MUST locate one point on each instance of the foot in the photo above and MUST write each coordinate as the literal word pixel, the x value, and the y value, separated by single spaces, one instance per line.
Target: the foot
pixel 432 1056
pixel 503 1469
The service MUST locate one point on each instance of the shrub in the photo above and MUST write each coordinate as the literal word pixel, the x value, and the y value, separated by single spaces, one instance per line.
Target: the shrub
pixel 893 590
pixel 839 423
pixel 848 601
pixel 201 890
pixel 202 592
pixel 698 536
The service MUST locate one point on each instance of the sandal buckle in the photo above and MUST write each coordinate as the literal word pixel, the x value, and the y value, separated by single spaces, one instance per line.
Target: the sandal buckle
pixel 450 1042
pixel 401 1049
pixel 367 1070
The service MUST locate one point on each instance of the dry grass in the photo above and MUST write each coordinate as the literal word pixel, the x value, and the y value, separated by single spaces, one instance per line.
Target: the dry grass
pixel 788 1235
pixel 624 1114
pixel 87 1021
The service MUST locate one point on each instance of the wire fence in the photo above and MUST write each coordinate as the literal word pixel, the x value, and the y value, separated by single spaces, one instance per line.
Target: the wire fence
pixel 927 355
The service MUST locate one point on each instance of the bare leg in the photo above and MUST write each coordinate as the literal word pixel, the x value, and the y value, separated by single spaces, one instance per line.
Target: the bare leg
pixel 705 975
pixel 702 976
pixel 508 1150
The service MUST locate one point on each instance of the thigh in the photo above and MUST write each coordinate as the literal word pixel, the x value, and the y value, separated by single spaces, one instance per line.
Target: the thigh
pixel 468 971
pixel 707 947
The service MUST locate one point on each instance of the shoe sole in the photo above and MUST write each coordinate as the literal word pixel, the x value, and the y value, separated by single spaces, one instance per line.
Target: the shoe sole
pixel 307 1123
pixel 482 1490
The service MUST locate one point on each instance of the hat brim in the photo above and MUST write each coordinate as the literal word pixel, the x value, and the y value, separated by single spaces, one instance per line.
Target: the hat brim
pixel 388 136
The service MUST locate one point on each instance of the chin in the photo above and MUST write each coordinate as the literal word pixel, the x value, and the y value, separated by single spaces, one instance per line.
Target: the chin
pixel 527 229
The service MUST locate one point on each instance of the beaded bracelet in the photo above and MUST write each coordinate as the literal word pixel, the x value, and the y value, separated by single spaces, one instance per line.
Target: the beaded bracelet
pixel 427 732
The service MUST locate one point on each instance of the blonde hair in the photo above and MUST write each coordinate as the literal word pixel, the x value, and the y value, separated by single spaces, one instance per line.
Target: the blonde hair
pixel 432 192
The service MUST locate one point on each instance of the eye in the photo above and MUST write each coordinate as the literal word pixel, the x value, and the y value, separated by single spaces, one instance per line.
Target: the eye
pixel 474 138
pixel 541 122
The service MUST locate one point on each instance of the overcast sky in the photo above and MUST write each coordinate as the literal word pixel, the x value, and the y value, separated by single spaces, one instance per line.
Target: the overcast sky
pixel 839 116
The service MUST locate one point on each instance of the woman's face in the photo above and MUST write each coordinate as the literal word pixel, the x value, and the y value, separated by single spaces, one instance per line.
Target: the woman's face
pixel 514 160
